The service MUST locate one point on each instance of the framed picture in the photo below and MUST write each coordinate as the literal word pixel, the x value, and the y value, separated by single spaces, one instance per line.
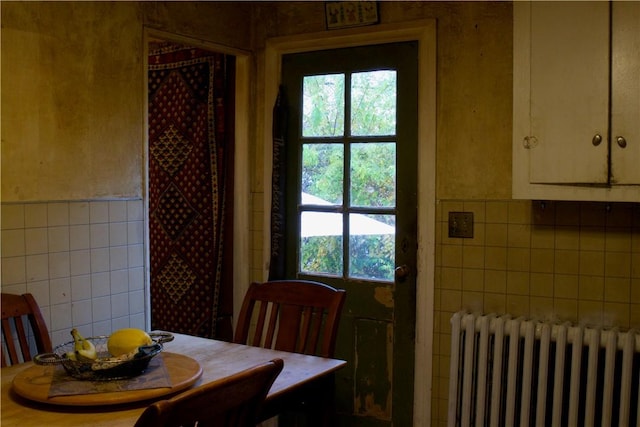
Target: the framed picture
pixel 343 14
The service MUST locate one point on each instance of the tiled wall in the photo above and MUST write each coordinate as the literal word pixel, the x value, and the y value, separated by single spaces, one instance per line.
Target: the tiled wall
pixel 82 260
pixel 551 260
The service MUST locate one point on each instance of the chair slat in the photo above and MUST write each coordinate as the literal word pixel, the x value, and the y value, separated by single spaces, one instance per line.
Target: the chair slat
pixel 14 307
pixel 9 342
pixel 273 321
pixel 304 319
pixel 22 339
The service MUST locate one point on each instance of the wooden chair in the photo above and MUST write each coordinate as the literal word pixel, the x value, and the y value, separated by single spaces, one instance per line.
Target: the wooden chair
pixel 14 307
pixel 230 402
pixel 299 316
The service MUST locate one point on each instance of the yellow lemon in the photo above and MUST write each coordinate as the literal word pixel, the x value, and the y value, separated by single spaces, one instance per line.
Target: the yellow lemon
pixel 126 340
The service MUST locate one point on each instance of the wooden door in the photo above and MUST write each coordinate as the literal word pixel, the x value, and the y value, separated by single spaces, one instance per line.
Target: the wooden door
pixel 351 211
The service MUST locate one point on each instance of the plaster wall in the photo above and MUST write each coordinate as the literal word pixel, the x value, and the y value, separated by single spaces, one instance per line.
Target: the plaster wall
pixel 73 94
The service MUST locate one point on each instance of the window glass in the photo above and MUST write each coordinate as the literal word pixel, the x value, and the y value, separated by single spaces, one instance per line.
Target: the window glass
pixel 372 246
pixel 321 243
pixel 322 174
pixel 373 103
pixel 373 174
pixel 323 105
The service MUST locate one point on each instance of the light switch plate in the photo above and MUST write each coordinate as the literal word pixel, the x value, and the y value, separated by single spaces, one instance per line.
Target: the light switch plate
pixel 461 224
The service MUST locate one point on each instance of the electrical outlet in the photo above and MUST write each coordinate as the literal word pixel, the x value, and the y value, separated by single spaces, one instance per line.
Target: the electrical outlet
pixel 461 224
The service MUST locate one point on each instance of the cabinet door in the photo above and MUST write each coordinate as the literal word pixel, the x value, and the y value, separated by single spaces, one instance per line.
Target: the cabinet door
pixel 569 92
pixel 625 97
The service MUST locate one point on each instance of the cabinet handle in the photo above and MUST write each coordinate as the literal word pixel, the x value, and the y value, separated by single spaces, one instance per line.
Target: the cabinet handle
pixel 597 139
pixel 529 142
pixel 622 143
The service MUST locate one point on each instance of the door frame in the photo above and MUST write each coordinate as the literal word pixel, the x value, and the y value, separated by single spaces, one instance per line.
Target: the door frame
pixel 424 32
pixel 241 193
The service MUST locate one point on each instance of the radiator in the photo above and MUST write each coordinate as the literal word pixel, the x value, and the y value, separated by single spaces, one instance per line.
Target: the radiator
pixel 522 372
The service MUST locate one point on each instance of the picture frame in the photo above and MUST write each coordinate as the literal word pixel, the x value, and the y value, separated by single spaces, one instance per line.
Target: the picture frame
pixel 345 14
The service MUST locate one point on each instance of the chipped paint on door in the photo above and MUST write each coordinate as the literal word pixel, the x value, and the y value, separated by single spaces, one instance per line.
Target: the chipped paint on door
pixel 374 368
pixel 384 295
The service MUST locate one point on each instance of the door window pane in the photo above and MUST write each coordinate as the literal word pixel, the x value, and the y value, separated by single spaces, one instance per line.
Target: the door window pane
pixel 321 243
pixel 322 174
pixel 323 105
pixel 372 246
pixel 373 103
pixel 373 174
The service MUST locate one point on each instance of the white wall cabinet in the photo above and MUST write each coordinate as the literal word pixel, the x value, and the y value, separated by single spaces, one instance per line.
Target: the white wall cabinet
pixel 576 85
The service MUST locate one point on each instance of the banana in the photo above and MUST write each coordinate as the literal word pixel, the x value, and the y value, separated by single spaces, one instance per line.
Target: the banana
pixel 84 349
pixel 110 362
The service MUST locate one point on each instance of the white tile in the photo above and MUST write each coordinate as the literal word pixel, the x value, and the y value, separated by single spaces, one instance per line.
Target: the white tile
pixel 13 270
pixel 13 243
pixel 80 262
pixel 119 281
pixel 138 321
pixel 58 239
pixel 98 212
pixel 60 291
pixel 57 214
pixel 79 237
pixel 135 210
pixel 101 308
pixel 120 323
pixel 37 267
pixel 61 317
pixel 16 289
pixel 135 232
pixel 136 256
pixel 80 287
pixel 99 260
pixel 78 213
pixel 40 291
pixel 119 305
pixel 36 241
pixel 59 265
pixel 100 285
pixel 99 235
pixel 117 211
pixel 136 302
pixel 102 328
pixel 12 216
pixel 136 279
pixel 35 215
pixel 118 233
pixel 59 337
pixel 81 312
pixel 118 257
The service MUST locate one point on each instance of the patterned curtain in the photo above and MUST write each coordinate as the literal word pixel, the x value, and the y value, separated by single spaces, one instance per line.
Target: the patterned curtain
pixel 190 189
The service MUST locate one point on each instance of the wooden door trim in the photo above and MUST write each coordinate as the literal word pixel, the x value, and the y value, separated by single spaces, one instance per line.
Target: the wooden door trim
pixel 423 31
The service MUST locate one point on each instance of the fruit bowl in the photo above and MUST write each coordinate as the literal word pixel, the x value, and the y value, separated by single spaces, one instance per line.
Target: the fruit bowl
pixel 104 367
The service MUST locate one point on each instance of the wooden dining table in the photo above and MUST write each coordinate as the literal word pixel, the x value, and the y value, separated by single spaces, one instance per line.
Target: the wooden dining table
pixel 303 378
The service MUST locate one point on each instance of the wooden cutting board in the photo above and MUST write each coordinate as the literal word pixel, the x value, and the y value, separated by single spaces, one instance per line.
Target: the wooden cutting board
pixel 33 383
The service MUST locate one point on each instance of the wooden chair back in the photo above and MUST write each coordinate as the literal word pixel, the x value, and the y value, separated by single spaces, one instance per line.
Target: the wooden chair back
pixel 234 401
pixel 299 316
pixel 14 310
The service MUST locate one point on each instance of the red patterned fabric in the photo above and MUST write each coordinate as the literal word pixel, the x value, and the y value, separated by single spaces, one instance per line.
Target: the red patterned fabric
pixel 190 162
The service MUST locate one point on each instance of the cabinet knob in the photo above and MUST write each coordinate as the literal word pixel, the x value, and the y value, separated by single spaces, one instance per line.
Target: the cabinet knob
pixel 597 139
pixel 622 143
pixel 529 142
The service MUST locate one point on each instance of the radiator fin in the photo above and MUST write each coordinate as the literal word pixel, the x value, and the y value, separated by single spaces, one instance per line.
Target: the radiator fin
pixel 523 372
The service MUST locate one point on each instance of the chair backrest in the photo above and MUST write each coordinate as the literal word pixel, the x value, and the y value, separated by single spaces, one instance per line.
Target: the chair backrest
pixel 234 401
pixel 14 307
pixel 299 316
